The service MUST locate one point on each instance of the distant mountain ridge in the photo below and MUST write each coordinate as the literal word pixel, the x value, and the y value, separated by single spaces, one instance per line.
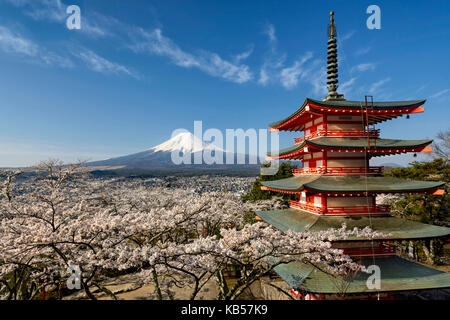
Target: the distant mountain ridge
pixel 391 164
pixel 159 158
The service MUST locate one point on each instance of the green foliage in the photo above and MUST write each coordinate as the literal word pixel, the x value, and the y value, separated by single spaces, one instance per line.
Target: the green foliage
pixel 436 170
pixel 250 217
pixel 423 207
pixel 284 171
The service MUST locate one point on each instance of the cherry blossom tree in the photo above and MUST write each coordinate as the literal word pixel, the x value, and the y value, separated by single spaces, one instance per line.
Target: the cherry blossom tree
pixel 256 249
pixel 63 219
pixel 57 217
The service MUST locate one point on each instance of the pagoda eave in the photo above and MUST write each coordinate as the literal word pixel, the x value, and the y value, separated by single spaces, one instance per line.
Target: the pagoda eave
pixel 398 275
pixel 373 146
pixel 375 152
pixel 381 111
pixel 434 191
pixel 350 185
pixel 392 228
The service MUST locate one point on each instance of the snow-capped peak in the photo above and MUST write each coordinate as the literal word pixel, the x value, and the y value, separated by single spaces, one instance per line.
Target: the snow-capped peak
pixel 185 142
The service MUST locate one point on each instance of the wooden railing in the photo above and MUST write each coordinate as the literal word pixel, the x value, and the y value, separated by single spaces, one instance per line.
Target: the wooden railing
pixel 338 170
pixel 303 206
pixel 368 251
pixel 378 209
pixel 338 133
pixel 348 210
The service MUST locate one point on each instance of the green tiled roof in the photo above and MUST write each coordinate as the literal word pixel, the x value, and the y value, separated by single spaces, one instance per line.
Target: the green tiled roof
pixel 357 104
pixel 397 274
pixel 351 184
pixel 352 105
pixel 300 221
pixel 356 143
pixel 362 142
pixel 294 183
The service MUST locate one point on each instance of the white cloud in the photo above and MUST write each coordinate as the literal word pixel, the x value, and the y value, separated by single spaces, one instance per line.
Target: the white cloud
pixel 364 67
pixel 244 55
pixel 13 42
pixel 346 86
pixel 154 42
pixel 48 10
pixel 440 93
pixel 273 61
pixel 269 30
pixel 318 81
pixel 348 35
pixel 95 25
pixel 139 40
pixel 263 77
pixel 421 88
pixel 218 67
pixel 304 69
pixel 92 24
pixel 52 10
pixel 289 76
pixel 211 63
pixel 100 64
pixel 52 58
pixel 374 88
pixel 362 51
pixel 269 71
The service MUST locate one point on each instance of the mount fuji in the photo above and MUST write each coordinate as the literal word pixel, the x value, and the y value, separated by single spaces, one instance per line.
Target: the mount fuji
pixel 185 142
pixel 158 160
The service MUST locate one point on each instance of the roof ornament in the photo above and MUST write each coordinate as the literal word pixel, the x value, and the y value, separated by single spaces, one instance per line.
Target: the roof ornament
pixel 332 66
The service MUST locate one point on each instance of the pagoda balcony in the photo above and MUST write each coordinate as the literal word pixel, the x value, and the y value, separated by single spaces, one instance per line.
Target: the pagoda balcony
pixel 375 133
pixel 338 211
pixel 337 170
pixel 306 207
pixel 368 251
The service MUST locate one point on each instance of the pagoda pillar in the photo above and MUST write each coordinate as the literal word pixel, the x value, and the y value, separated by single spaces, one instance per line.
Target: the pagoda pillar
pixel 324 203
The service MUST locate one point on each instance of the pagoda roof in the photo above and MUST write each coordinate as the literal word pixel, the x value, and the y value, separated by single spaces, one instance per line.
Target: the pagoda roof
pixel 397 274
pixel 342 184
pixel 355 105
pixel 353 143
pixel 397 228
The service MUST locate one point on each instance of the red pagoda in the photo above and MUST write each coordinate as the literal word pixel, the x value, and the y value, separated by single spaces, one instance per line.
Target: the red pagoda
pixel 336 185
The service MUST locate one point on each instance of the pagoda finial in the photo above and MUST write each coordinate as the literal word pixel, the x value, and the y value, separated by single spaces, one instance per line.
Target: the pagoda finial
pixel 332 66
pixel 331 28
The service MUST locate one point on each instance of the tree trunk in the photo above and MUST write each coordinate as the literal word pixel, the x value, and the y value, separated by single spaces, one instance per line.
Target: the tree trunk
pixel 156 283
pixel 411 250
pixel 87 291
pixel 106 290
pixel 223 287
pixel 433 251
pixel 429 250
pixel 195 290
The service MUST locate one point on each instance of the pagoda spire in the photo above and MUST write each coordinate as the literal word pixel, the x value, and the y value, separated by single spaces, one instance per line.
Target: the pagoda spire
pixel 332 65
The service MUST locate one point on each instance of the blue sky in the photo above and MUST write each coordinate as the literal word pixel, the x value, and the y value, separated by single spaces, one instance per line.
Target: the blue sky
pixel 137 70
